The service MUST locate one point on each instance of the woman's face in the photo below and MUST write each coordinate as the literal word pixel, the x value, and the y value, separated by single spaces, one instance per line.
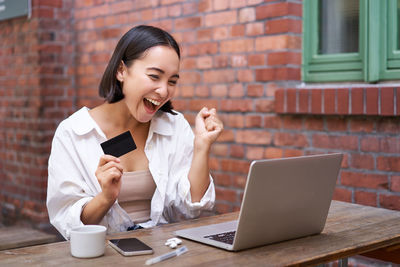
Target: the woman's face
pixel 150 81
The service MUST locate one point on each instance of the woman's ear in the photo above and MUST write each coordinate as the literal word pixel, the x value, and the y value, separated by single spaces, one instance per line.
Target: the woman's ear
pixel 121 71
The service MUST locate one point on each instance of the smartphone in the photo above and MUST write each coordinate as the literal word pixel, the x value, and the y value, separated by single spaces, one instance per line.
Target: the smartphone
pixel 130 246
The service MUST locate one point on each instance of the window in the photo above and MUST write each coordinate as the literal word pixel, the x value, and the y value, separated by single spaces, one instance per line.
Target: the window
pixel 351 40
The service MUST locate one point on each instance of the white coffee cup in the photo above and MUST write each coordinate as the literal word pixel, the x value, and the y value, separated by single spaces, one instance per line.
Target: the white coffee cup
pixel 88 241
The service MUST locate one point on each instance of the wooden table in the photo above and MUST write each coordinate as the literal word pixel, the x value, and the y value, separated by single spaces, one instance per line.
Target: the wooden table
pixel 350 230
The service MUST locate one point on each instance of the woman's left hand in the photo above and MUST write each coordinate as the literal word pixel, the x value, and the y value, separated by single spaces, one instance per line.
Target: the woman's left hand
pixel 207 127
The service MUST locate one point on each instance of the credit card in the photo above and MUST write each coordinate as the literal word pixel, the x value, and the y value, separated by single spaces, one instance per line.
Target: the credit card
pixel 119 145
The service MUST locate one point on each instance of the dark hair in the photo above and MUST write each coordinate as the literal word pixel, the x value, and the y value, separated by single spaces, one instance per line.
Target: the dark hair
pixel 130 47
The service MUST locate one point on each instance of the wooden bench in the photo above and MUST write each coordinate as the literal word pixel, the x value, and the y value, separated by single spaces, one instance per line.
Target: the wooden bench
pixel 19 236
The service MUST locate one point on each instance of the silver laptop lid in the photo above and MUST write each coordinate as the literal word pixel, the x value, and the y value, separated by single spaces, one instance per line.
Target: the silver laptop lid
pixel 286 198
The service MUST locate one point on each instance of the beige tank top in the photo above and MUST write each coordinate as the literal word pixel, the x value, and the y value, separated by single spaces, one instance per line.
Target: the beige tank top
pixel 137 189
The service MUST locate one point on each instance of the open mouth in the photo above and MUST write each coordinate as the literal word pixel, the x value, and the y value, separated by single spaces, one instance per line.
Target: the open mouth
pixel 151 104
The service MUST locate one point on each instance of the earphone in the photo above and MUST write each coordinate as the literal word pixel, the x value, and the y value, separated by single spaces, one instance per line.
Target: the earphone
pixel 173 242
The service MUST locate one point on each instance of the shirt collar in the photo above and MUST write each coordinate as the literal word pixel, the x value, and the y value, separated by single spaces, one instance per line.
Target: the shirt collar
pixel 161 124
pixel 84 123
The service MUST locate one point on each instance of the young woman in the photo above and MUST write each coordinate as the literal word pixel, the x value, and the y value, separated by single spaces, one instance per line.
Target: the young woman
pixel 165 179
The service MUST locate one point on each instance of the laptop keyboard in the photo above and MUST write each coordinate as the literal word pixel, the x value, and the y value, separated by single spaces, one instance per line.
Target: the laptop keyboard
pixel 226 237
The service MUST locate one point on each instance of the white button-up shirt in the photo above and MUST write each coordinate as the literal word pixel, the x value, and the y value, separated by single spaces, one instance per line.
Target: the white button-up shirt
pixel 74 158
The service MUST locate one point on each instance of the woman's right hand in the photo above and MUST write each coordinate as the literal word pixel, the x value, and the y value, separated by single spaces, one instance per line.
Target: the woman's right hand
pixel 109 173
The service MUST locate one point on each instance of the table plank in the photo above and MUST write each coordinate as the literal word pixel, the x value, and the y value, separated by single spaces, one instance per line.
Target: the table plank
pixel 350 230
pixel 19 236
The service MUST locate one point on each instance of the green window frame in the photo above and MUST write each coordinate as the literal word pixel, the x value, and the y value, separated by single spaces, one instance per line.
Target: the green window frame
pixel 378 56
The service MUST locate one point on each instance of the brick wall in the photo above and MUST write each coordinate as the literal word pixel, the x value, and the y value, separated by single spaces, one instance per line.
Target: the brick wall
pixel 241 56
pixel 36 91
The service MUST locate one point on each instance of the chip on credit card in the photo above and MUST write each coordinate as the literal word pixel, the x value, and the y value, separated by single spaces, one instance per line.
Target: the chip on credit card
pixel 119 145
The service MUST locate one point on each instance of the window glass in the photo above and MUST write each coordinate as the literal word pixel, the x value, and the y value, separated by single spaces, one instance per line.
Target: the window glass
pixel 338 26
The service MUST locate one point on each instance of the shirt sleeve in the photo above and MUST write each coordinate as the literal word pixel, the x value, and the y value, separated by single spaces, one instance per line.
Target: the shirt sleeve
pixel 67 193
pixel 180 166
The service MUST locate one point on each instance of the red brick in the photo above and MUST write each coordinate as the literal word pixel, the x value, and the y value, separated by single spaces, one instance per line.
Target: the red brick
pixel 236 46
pixel 389 201
pixel 292 122
pixel 256 60
pixel 274 42
pixel 235 165
pixel 204 62
pixel 237 151
pixel 255 90
pixel 273 122
pixel 314 124
pixel 390 164
pixel 253 121
pixel 238 30
pixel 362 161
pixel 254 153
pixel 291 106
pixel 329 101
pixel 336 124
pixel 197 104
pixel 343 101
pixel 204 34
pixel 221 61
pixel 290 139
pixel 362 125
pixel 389 144
pixel 283 26
pixel 273 153
pixel 366 198
pixel 203 49
pixel 219 149
pixel 293 153
pixel 221 179
pixel 264 105
pixel 219 90
pixel 220 5
pixel 222 208
pixel 236 90
pixel 225 194
pixel 187 77
pixel 238 61
pixel 245 75
pixel 357 101
pixel 220 18
pixel 205 6
pixel 372 101
pixel 388 125
pixel 190 8
pixel 370 144
pixel 335 142
pixel 304 100
pixel 235 121
pixel 226 136
pixel 278 10
pixel 398 101
pixel 316 101
pixel 395 183
pixel 280 101
pixel 247 15
pixel 373 181
pixel 253 29
pixel 387 101
pixel 219 76
pixel 236 105
pixel 253 137
pixel 187 23
pixel 282 58
pixel 221 33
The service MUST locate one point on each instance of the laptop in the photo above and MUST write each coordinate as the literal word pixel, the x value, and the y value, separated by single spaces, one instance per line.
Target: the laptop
pixel 283 199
